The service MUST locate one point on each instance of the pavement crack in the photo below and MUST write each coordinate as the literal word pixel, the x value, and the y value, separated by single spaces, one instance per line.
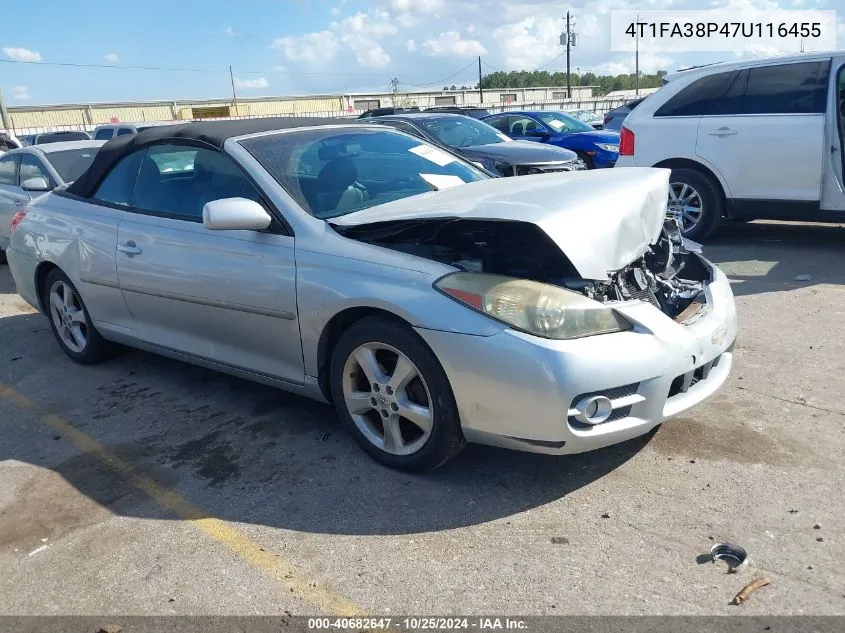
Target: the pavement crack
pixel 788 401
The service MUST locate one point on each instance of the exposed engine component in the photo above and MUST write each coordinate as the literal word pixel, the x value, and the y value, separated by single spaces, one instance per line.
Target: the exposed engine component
pixel 668 275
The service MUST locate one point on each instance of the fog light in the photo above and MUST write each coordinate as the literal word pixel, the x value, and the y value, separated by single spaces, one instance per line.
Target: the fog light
pixel 593 409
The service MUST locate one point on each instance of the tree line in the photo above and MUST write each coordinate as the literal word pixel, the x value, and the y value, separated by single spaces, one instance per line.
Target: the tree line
pixel 543 78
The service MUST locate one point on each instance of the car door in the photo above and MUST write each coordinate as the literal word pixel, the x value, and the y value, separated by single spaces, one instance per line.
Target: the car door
pixel 767 135
pixel 12 197
pixel 833 178
pixel 222 296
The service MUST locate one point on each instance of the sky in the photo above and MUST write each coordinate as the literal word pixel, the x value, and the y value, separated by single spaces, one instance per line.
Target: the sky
pixel 294 47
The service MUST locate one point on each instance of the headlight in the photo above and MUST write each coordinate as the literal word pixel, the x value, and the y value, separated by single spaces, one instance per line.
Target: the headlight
pixel 608 147
pixel 533 307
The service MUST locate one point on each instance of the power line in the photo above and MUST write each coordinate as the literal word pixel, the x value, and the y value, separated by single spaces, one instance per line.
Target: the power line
pixel 439 81
pixel 189 70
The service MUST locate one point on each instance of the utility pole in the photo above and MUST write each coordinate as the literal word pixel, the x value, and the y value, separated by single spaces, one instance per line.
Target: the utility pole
pixel 480 91
pixel 4 116
pixel 234 94
pixel 637 60
pixel 394 87
pixel 568 46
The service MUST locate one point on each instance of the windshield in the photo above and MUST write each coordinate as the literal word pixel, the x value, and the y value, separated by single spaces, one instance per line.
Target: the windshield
pixel 334 171
pixel 462 132
pixel 72 162
pixel 562 122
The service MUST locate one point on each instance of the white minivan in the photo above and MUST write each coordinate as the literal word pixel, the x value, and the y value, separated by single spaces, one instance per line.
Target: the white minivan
pixel 760 138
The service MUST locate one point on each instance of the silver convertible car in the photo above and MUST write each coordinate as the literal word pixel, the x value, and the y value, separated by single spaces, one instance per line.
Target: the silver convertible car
pixel 355 264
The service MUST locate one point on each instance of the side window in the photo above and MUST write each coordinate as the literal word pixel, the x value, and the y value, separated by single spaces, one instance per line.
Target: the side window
pixel 522 126
pixel 178 180
pixel 696 99
pixel 731 102
pixel 118 187
pixel 103 135
pixel 786 89
pixel 124 131
pixel 31 167
pixel 7 171
pixel 500 123
pixel 404 127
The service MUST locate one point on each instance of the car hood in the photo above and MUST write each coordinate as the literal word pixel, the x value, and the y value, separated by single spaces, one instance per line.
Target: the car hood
pixel 520 152
pixel 595 136
pixel 601 220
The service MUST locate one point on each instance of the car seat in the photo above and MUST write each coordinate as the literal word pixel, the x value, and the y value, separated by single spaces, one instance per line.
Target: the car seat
pixel 336 187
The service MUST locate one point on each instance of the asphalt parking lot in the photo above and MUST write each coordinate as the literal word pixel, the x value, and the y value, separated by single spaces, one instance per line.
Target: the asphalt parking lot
pixel 146 486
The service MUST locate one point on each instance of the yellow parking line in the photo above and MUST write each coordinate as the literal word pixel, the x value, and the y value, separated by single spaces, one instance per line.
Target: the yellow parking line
pixel 321 597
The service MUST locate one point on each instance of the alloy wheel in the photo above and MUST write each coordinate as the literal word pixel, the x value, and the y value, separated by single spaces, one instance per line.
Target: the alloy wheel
pixel 388 398
pixel 68 317
pixel 685 203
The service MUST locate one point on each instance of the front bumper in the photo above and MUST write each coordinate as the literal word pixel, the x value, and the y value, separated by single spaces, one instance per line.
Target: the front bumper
pixel 516 390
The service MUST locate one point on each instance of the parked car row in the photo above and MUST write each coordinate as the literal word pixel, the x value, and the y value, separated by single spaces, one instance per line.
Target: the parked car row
pixel 431 302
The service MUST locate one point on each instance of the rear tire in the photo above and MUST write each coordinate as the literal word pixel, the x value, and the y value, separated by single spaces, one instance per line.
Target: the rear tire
pixel 371 396
pixel 706 203
pixel 70 322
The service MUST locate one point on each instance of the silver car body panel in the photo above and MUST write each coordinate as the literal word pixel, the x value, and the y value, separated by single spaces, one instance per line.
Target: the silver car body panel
pixel 257 304
pixel 601 224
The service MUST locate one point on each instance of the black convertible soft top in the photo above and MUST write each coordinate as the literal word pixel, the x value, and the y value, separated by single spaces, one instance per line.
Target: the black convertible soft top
pixel 213 133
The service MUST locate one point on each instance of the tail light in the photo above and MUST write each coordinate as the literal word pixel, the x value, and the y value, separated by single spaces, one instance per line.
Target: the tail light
pixel 16 220
pixel 626 142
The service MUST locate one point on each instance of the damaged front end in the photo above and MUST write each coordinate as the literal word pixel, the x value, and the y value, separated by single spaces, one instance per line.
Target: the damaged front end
pixel 669 274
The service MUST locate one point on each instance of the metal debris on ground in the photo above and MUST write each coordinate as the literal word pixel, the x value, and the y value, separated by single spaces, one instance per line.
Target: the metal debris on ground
pixel 734 555
pixel 750 588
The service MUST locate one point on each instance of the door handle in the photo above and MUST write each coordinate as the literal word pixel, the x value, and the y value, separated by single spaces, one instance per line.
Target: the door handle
pixel 723 131
pixel 130 248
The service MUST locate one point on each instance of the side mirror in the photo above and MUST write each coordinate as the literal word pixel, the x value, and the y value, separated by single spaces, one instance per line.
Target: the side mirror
pixel 35 184
pixel 235 214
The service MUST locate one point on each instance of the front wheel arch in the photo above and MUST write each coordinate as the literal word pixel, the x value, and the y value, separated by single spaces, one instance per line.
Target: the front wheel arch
pixel 334 329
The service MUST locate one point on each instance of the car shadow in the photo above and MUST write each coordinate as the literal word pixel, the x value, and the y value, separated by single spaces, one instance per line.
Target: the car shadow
pixel 764 256
pixel 248 453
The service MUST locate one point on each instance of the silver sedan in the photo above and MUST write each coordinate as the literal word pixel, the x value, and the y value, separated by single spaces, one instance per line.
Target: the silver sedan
pixel 30 171
pixel 358 265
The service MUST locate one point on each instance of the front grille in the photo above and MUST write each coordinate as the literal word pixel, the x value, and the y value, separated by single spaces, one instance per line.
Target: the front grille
pixel 612 394
pixel 684 382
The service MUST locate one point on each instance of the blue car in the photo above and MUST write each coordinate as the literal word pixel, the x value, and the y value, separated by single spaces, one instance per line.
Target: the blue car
pixel 597 148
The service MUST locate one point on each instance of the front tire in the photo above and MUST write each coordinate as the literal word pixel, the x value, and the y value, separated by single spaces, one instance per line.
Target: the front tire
pixel 71 324
pixel 588 160
pixel 697 202
pixel 391 392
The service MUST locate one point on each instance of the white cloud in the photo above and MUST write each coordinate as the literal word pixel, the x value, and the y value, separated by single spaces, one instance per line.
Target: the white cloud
pixel 20 93
pixel 22 54
pixel 422 7
pixel 231 32
pixel 451 44
pixel 411 46
pixel 335 10
pixel 358 34
pixel 530 42
pixel 112 58
pixel 313 48
pixel 251 84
